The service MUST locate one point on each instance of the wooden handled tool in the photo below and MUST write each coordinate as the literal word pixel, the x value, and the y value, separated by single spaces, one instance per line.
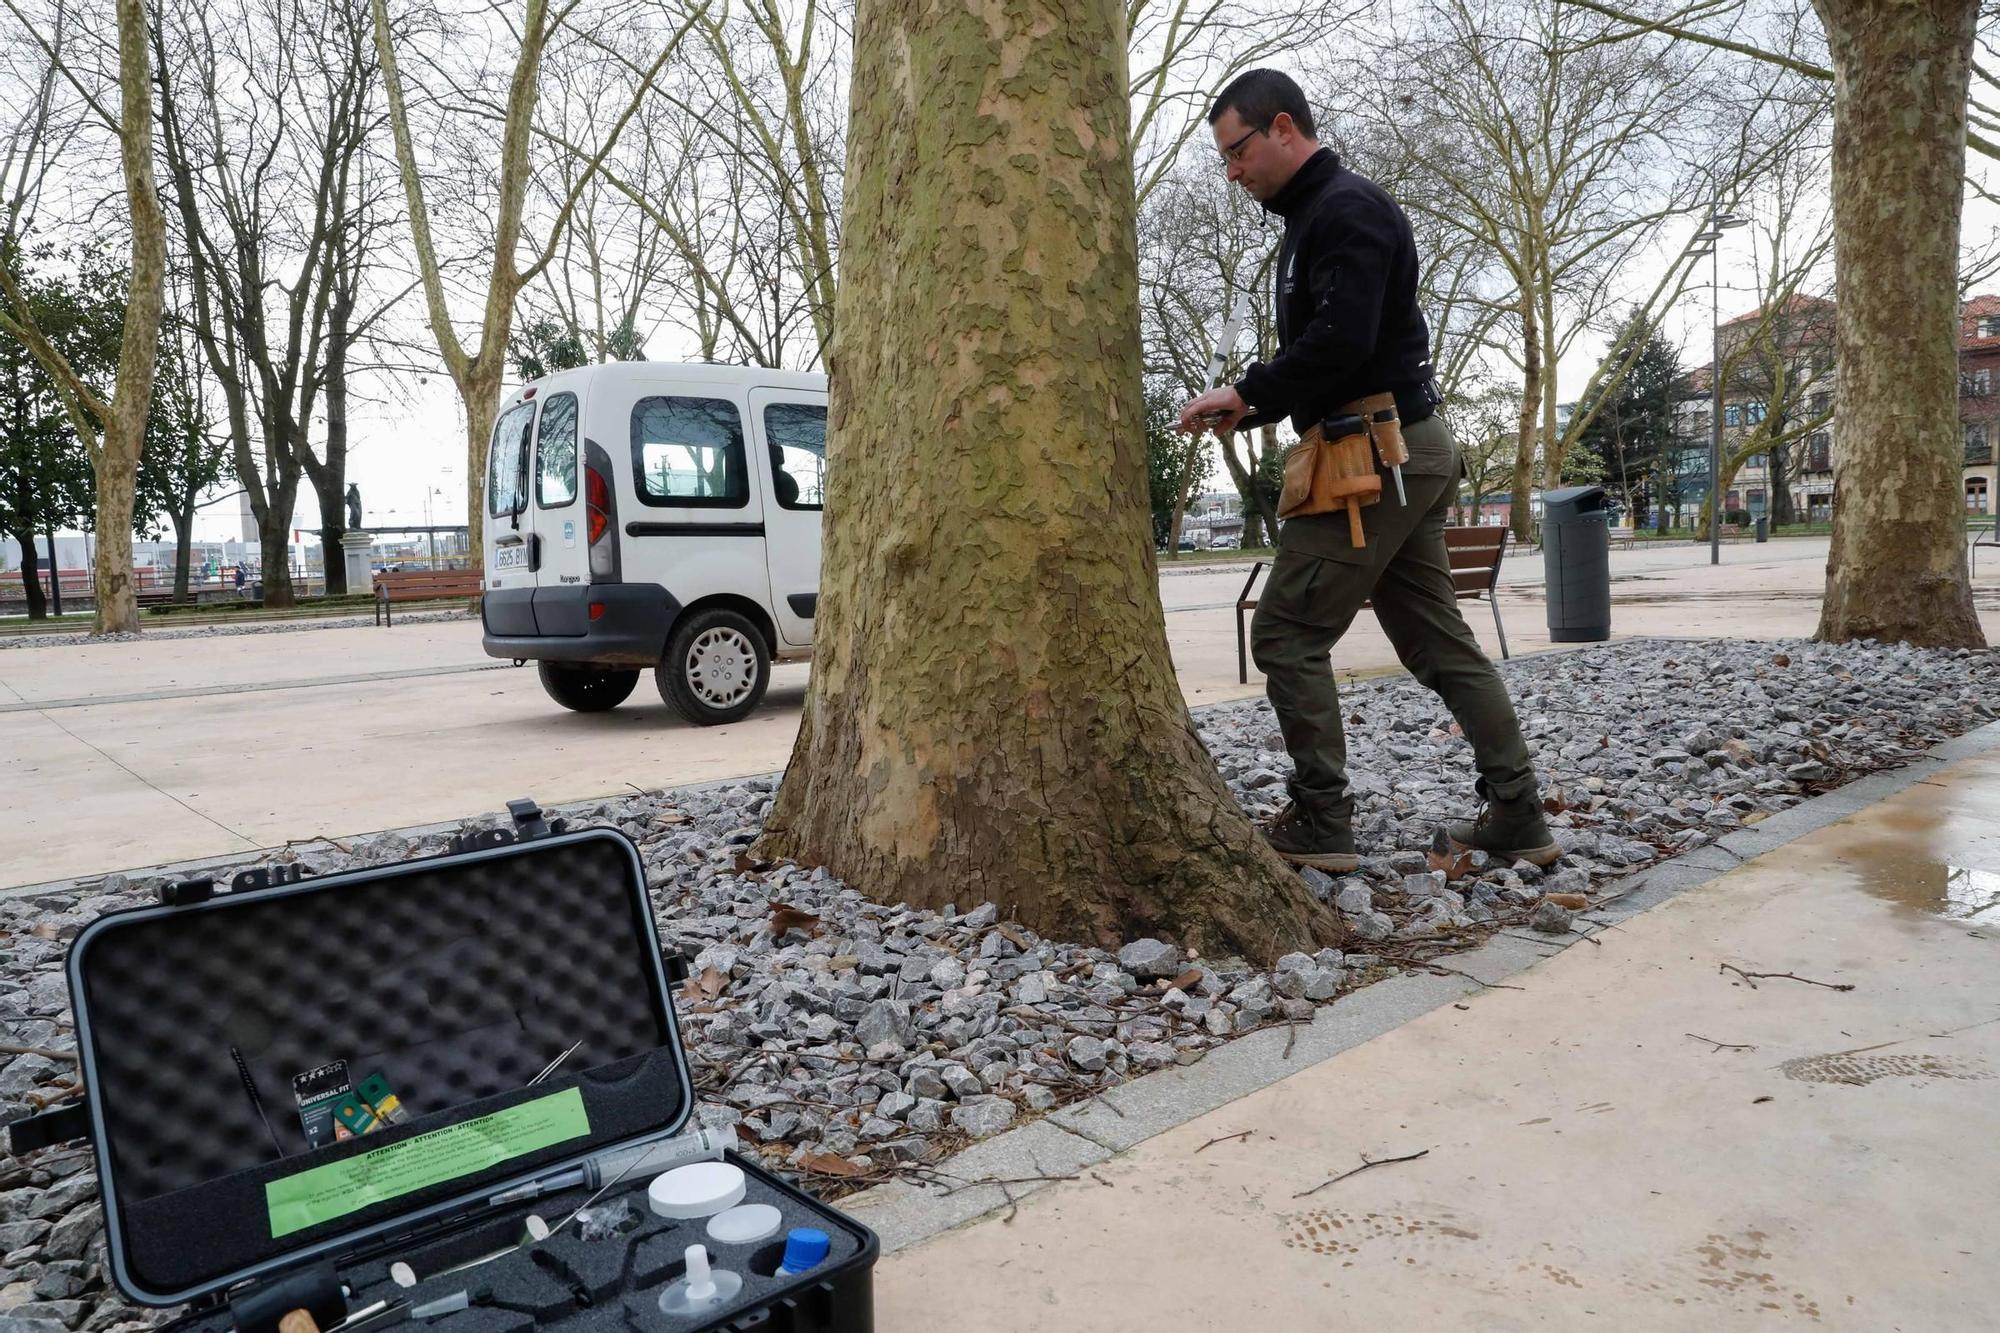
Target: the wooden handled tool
pixel 298 1321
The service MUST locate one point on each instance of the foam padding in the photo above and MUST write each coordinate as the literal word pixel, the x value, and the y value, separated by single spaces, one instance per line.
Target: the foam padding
pixel 458 980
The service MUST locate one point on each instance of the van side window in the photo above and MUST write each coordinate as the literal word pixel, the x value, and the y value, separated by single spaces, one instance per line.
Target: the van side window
pixel 797 436
pixel 555 448
pixel 689 451
pixel 506 462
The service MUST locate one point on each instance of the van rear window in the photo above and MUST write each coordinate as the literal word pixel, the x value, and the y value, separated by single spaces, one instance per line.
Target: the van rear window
pixel 506 462
pixel 555 447
pixel 689 451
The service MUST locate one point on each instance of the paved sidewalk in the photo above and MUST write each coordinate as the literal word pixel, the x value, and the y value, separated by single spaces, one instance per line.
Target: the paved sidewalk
pixel 135 754
pixel 1634 1139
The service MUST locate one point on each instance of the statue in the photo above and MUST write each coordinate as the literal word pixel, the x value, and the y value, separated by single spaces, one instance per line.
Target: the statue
pixel 353 505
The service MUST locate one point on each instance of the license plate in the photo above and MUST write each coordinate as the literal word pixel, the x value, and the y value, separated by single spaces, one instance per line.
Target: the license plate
pixel 513 556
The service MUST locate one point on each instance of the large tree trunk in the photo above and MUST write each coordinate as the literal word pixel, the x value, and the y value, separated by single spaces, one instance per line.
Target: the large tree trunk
pixel 1897 567
pixel 988 721
pixel 481 394
pixel 115 461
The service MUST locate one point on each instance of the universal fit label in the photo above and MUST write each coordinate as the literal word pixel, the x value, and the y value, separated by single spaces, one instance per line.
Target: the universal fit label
pixel 339 1188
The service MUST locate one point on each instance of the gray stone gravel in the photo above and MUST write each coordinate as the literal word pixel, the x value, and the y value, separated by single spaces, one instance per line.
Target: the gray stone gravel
pixel 889 1035
pixel 8 641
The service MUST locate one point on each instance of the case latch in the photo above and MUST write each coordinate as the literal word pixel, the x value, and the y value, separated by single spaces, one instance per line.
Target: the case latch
pixel 528 821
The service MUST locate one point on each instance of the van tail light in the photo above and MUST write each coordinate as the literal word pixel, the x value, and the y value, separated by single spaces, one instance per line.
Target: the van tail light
pixel 597 500
pixel 597 510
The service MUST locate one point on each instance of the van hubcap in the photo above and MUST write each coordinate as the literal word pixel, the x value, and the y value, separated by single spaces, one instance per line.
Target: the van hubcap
pixel 722 667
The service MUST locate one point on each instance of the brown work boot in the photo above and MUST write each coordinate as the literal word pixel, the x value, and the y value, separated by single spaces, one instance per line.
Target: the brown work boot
pixel 1316 835
pixel 1509 830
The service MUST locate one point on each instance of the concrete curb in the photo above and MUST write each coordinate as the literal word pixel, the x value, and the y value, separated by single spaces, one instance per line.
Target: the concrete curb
pixel 1006 1168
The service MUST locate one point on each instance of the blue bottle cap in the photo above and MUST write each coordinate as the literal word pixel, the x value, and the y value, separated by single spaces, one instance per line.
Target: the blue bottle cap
pixel 806 1247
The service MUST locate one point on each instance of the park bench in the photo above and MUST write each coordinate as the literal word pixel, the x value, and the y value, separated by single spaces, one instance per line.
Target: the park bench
pixel 1475 554
pixel 421 585
pixel 1986 536
pixel 1623 536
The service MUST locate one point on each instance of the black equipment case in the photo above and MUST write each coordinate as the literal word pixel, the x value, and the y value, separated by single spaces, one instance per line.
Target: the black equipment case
pixel 448 985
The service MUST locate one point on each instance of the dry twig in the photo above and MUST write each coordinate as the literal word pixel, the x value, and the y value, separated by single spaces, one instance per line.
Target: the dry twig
pixel 1366 1162
pixel 1226 1138
pixel 15 1048
pixel 1754 977
pixel 1720 1045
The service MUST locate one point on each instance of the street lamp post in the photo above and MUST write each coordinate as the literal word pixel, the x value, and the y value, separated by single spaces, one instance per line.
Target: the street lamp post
pixel 1711 236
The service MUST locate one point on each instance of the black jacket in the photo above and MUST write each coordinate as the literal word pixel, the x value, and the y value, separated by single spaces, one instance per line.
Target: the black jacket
pixel 1348 323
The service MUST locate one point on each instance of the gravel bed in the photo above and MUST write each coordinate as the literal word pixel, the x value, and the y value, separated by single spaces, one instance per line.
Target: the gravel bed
pixel 868 1039
pixel 8 641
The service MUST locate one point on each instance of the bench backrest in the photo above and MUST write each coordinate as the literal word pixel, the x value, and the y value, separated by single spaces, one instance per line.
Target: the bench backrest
pixel 442 581
pixel 1475 558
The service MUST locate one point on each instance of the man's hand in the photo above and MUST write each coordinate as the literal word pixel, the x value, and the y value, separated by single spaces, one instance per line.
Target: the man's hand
pixel 1217 410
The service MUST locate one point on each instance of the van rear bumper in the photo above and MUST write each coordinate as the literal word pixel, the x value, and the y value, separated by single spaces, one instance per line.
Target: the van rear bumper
pixel 555 624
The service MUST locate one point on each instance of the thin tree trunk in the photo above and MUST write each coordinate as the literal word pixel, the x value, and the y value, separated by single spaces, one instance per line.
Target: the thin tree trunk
pixel 1897 567
pixel 985 723
pixel 183 550
pixel 31 577
pixel 1531 401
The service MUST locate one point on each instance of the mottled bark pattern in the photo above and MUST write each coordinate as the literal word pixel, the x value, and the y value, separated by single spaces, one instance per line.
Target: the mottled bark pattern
pixel 993 714
pixel 1897 567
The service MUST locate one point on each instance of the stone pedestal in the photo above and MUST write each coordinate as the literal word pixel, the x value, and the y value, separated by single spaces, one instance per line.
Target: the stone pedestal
pixel 354 549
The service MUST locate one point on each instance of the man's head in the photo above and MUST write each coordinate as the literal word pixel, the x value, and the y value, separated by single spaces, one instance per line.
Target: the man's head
pixel 1264 131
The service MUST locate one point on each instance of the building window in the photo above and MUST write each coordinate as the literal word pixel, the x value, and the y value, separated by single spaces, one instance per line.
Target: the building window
pixel 1976 449
pixel 1732 415
pixel 1819 452
pixel 1989 326
pixel 1819 404
pixel 1975 383
pixel 1753 414
pixel 1975 495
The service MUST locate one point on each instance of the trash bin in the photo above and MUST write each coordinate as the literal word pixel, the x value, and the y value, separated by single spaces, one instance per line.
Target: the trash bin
pixel 1576 557
pixel 1763 528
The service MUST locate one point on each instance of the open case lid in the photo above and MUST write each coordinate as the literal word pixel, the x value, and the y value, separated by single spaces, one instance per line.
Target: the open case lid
pixel 455 979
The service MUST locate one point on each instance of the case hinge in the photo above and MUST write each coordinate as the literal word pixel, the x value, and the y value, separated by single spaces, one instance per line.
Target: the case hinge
pixel 315 1290
pixel 69 1121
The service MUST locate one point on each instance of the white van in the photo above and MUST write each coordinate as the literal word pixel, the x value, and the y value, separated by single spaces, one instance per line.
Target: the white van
pixel 644 515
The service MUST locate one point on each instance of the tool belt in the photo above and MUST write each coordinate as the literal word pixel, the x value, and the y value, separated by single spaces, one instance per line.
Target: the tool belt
pixel 1334 465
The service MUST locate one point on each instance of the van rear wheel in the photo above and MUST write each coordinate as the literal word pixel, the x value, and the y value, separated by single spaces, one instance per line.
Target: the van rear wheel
pixel 587 689
pixel 716 668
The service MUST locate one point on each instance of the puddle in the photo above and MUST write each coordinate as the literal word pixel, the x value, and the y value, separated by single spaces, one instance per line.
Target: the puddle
pixel 1953 893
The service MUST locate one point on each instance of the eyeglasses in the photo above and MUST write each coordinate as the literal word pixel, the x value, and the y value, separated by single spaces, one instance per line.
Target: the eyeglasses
pixel 1234 152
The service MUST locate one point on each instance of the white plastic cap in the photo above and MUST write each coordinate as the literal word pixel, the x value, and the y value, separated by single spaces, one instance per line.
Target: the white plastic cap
pixel 701 1189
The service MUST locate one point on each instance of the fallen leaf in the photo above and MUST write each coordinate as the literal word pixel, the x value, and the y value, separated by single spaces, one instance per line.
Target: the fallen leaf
pixel 44 931
pixel 1758 1101
pixel 1014 935
pixel 1454 867
pixel 707 986
pixel 1554 803
pixel 1781 660
pixel 1575 902
pixel 786 918
pixel 830 1164
pixel 1187 980
pixel 746 866
pixel 670 817
pixel 745 1133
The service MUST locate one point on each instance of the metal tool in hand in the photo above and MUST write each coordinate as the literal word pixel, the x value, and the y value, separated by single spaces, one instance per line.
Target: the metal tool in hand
pixel 1225 343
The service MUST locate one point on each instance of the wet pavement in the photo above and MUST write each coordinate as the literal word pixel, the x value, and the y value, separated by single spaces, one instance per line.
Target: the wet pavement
pixel 1768 1102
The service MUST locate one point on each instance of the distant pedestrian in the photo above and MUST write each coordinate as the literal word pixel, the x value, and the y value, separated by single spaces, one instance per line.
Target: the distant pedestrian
pixel 240 576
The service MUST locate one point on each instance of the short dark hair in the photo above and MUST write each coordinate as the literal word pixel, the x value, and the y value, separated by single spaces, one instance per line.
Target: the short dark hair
pixel 1258 96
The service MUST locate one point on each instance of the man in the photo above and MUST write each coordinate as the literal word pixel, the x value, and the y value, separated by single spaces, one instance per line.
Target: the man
pixel 1348 326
